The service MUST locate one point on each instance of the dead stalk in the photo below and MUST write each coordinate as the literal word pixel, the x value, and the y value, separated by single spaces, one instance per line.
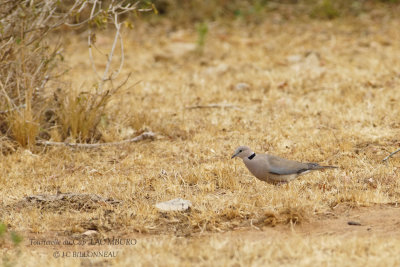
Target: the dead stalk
pixel 391 154
pixel 143 136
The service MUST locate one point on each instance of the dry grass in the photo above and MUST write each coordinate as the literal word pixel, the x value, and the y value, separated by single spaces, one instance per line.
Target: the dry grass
pixel 317 91
pixel 233 251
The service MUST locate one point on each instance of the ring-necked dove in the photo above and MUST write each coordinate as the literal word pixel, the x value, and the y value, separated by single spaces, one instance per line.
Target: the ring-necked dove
pixel 273 169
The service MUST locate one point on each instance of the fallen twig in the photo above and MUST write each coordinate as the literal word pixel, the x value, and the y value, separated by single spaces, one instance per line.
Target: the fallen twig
pixel 354 223
pixel 213 106
pixel 143 136
pixel 385 159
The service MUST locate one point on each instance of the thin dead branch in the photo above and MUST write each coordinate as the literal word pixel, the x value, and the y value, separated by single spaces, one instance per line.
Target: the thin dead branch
pixel 143 136
pixel 115 11
pixel 391 154
pixel 213 106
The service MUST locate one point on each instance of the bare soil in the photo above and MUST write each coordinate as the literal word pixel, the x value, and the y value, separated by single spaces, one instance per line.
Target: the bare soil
pixel 379 220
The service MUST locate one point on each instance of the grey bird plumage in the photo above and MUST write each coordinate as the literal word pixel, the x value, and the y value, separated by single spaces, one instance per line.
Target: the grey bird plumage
pixel 273 169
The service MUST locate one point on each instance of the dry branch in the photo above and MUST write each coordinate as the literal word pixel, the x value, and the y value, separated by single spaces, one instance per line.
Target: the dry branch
pixel 213 106
pixel 143 136
pixel 391 154
pixel 115 10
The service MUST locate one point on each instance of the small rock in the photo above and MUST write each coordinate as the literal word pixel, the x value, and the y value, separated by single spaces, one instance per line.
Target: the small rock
pixel 217 70
pixel 242 86
pixel 177 204
pixel 370 180
pixel 353 223
pixel 29 153
pixel 90 233
pixel 175 50
pixel 294 58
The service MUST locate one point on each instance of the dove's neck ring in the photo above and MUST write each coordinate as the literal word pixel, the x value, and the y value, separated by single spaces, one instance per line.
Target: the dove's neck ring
pixel 252 156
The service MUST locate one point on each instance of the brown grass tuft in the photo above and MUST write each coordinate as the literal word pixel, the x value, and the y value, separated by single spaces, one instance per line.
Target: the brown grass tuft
pixel 24 127
pixel 78 115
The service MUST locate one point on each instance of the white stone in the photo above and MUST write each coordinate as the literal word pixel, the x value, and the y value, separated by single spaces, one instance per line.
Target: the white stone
pixel 242 86
pixel 90 233
pixel 177 204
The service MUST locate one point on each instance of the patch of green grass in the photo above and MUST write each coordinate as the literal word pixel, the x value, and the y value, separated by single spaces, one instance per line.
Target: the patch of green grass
pixel 325 10
pixel 202 31
pixel 3 229
pixel 15 238
pixel 10 257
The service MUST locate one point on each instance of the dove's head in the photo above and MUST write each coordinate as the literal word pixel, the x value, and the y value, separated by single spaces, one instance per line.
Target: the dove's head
pixel 242 152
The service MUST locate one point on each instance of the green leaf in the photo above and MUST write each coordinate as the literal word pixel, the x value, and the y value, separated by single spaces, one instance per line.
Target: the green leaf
pixel 3 228
pixel 16 238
